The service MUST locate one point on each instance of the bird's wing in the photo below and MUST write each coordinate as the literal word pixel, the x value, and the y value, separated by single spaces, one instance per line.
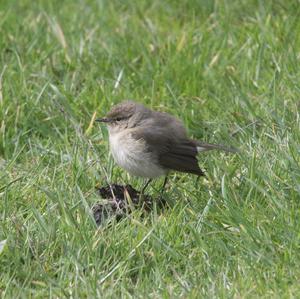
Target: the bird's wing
pixel 173 153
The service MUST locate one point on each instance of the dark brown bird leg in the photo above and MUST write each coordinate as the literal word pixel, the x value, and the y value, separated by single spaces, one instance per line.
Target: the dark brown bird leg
pixel 146 185
pixel 164 184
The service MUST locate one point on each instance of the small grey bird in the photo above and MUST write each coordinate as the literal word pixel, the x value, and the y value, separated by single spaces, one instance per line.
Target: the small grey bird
pixel 149 144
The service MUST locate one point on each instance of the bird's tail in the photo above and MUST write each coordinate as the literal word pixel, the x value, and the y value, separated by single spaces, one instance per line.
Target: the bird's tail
pixel 203 147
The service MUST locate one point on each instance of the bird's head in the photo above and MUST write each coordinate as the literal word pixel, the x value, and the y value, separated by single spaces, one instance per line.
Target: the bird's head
pixel 123 115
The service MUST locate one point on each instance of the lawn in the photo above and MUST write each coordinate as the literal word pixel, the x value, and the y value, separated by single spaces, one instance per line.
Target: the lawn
pixel 229 69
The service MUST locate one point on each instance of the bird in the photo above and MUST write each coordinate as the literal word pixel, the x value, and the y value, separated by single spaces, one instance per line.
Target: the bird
pixel 150 144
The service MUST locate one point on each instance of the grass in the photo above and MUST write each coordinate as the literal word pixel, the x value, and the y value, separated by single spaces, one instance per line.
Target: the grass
pixel 228 69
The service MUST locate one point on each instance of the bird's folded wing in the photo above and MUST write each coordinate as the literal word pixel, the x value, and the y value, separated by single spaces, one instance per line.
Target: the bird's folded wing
pixel 171 153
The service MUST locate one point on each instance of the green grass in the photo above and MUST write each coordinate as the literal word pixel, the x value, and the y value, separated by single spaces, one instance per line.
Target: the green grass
pixel 229 69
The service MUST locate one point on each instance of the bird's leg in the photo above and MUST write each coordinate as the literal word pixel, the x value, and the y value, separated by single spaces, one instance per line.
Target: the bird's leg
pixel 164 184
pixel 144 188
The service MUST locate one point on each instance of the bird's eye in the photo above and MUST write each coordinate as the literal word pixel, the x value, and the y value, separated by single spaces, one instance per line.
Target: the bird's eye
pixel 119 119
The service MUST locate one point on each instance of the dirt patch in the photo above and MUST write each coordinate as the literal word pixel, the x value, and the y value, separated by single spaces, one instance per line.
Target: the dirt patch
pixel 119 201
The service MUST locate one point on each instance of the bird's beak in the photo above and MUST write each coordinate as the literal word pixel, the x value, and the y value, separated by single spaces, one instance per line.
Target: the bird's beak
pixel 103 120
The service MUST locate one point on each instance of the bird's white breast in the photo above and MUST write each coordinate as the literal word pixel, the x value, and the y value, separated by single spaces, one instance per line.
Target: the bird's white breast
pixel 131 155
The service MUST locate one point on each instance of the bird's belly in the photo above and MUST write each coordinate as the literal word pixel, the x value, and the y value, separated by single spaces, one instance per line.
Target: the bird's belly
pixel 131 154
